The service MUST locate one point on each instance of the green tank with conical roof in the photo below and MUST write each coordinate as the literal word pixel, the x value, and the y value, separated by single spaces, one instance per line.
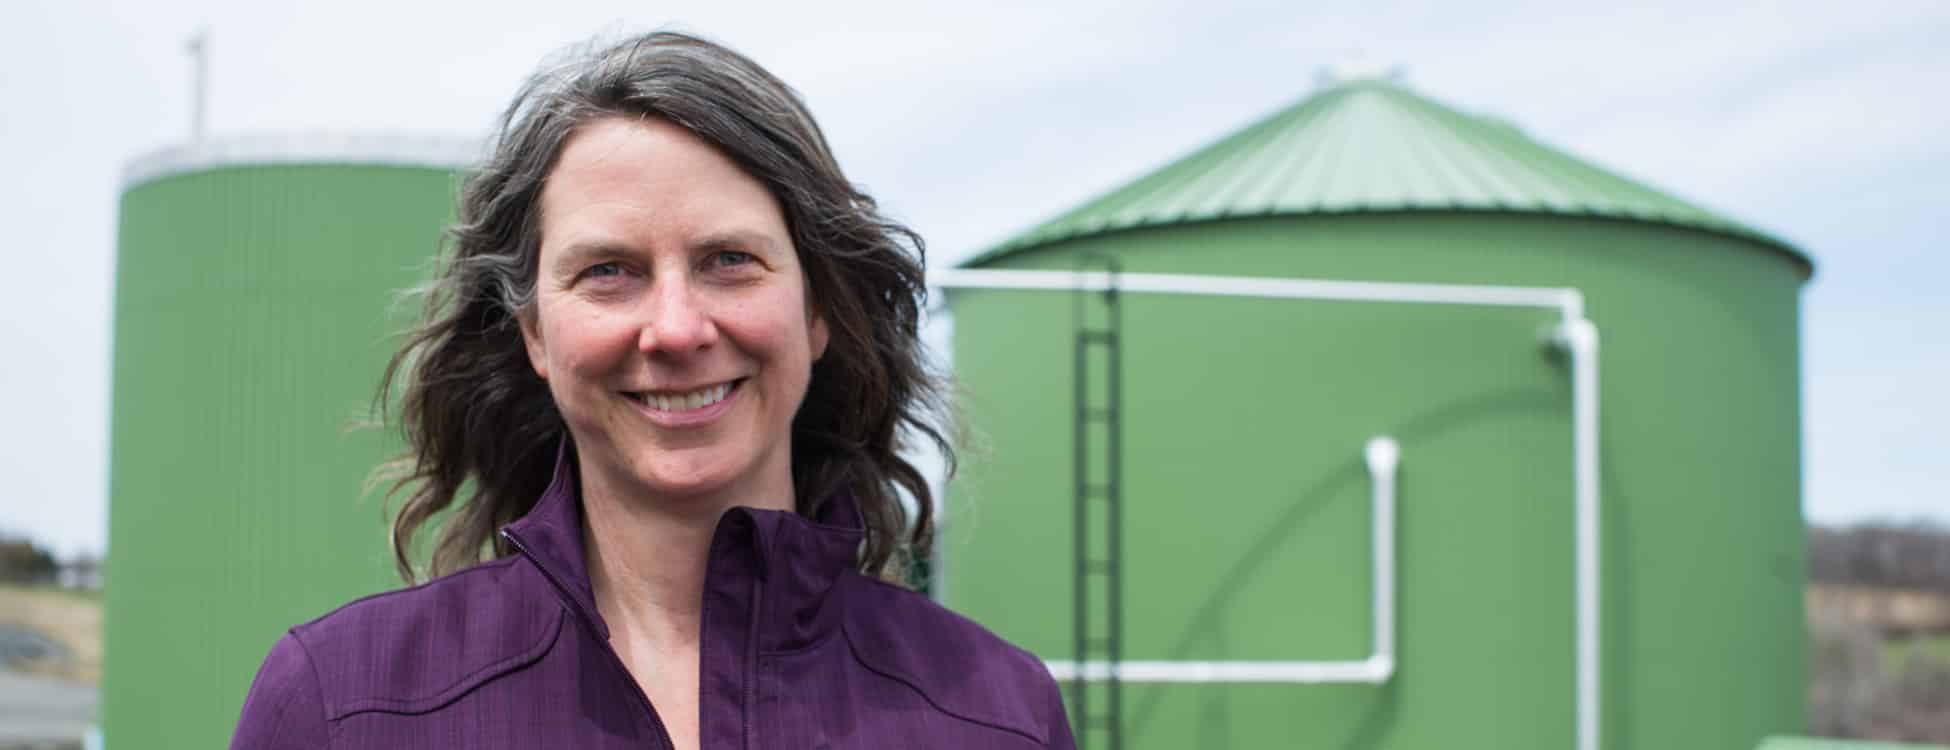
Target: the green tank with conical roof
pixel 1246 509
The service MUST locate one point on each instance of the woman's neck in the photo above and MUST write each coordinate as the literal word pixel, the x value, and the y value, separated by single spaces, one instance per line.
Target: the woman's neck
pixel 646 556
pixel 646 560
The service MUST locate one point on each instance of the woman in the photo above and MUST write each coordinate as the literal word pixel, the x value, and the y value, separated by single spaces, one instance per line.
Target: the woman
pixel 663 375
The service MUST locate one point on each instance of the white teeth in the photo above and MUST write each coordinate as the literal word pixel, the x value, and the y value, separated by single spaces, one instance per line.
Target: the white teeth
pixel 687 401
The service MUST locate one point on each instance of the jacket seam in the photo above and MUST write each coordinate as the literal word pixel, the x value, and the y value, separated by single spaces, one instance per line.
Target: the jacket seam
pixel 460 686
pixel 859 655
pixel 324 701
pixel 482 567
pixel 809 646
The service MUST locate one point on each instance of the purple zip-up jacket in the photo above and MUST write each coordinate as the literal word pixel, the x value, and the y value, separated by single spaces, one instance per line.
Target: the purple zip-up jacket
pixel 797 650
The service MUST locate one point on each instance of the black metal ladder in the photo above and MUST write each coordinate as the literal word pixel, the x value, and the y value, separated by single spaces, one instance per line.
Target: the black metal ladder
pixel 1098 572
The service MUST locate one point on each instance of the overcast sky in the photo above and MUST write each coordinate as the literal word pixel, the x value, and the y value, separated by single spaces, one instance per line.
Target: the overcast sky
pixel 1822 122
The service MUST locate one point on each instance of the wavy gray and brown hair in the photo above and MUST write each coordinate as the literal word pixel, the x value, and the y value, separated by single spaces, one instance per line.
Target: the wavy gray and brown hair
pixel 480 425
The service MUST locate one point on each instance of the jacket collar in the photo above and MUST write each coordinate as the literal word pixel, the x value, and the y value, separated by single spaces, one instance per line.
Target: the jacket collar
pixel 796 559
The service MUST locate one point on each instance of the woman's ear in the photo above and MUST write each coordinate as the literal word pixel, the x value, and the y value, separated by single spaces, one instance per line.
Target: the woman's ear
pixel 531 339
pixel 819 336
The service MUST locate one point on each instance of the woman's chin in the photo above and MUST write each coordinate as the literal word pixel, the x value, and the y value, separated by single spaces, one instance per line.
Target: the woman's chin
pixel 684 489
pixel 689 481
pixel 714 474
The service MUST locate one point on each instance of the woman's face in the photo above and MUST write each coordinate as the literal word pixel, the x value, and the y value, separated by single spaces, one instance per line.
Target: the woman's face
pixel 670 319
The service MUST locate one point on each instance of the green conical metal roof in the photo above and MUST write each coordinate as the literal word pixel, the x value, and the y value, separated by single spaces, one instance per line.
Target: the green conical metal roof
pixel 1373 146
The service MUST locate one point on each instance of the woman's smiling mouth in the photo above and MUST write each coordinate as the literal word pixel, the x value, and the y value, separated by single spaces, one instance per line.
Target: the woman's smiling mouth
pixel 686 408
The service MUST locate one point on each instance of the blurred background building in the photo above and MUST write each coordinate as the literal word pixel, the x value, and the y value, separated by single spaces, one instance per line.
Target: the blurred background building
pixel 258 289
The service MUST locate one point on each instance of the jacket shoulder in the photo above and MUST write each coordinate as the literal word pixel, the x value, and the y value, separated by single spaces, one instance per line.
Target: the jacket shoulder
pixel 282 711
pixel 417 649
pixel 956 664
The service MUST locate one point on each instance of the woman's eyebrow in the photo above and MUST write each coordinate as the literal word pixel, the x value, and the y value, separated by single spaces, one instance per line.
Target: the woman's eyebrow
pixel 743 240
pixel 584 251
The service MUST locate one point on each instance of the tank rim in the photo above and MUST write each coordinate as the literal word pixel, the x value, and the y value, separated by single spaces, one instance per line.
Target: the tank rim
pixel 1803 261
pixel 302 148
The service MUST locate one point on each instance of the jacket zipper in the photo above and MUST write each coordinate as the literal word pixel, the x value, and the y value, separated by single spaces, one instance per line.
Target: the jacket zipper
pixel 751 659
pixel 751 647
pixel 622 671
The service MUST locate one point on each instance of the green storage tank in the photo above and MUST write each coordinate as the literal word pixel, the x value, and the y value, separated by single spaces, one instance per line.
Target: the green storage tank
pixel 1245 497
pixel 255 303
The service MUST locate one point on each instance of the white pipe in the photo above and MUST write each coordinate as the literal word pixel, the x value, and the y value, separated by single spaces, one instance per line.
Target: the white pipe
pixel 1382 455
pixel 1372 670
pixel 1578 336
pixel 1248 286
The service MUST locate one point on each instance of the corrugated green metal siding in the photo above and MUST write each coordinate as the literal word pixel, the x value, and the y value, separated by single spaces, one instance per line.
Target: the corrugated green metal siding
pixel 1373 147
pixel 252 318
pixel 1246 500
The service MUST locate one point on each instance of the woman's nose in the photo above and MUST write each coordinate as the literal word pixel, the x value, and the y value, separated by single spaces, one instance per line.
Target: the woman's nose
pixel 676 322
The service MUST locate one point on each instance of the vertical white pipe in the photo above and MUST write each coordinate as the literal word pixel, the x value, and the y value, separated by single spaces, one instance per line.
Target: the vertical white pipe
pixel 1580 338
pixel 1383 455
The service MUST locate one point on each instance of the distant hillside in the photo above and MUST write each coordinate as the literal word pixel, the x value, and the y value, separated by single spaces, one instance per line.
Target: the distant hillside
pixel 1915 557
pixel 51 632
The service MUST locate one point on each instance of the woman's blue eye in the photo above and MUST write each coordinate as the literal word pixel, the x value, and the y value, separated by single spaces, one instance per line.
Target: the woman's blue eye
pixel 730 258
pixel 604 269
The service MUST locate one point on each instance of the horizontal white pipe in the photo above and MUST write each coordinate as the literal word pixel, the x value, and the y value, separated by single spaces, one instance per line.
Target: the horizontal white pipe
pixel 1373 670
pixel 1568 300
pixel 1382 455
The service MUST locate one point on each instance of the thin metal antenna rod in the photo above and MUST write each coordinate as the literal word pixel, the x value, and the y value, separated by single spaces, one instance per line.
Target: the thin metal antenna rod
pixel 199 49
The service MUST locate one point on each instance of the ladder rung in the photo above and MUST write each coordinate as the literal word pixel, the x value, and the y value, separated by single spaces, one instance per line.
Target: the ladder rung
pixel 1096 337
pixel 1103 414
pixel 1096 490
